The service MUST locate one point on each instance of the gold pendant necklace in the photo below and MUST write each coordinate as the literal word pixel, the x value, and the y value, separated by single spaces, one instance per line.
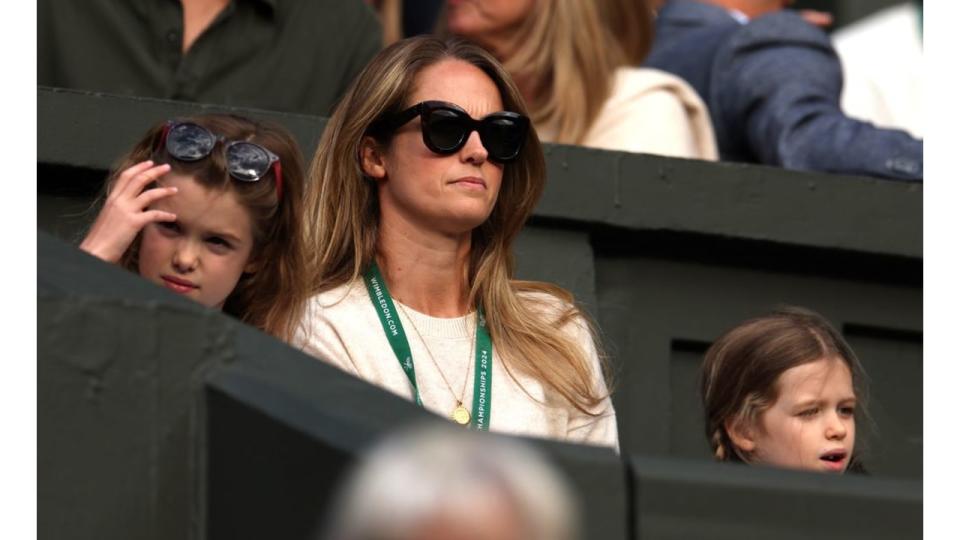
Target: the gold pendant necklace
pixel 460 414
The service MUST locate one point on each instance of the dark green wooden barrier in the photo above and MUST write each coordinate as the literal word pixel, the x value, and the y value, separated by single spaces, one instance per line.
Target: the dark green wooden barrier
pixel 677 499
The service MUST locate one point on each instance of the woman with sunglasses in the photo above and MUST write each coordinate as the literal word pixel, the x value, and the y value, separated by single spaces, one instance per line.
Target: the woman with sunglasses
pixel 210 207
pixel 424 176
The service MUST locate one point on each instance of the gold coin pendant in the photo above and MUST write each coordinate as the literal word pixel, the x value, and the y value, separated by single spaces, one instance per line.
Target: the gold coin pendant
pixel 461 415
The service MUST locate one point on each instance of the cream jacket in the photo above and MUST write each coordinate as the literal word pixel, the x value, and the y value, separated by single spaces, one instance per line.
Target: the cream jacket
pixel 652 112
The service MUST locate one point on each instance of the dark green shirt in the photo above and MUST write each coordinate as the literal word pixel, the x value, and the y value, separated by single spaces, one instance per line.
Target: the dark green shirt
pixel 282 55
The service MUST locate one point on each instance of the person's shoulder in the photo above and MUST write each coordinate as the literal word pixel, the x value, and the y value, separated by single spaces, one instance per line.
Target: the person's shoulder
pixel 553 306
pixel 342 310
pixel 771 49
pixel 692 13
pixel 780 28
pixel 546 302
pixel 341 299
pixel 652 88
pixel 541 296
pixel 635 81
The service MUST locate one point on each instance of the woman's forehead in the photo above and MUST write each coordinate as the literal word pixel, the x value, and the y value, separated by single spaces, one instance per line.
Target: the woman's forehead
pixel 460 83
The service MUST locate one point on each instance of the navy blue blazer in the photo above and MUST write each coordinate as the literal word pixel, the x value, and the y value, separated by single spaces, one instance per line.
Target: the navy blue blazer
pixel 773 90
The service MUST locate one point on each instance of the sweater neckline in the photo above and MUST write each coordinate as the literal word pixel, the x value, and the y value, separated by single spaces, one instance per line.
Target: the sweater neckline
pixel 440 327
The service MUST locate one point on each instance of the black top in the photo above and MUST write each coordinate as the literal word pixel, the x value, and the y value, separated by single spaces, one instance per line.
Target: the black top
pixel 283 55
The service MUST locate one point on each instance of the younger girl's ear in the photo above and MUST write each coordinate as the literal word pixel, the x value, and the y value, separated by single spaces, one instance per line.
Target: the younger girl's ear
pixel 371 158
pixel 742 436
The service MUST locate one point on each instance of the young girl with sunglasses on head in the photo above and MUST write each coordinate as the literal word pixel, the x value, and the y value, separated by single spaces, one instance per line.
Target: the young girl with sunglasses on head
pixel 210 207
pixel 425 175
pixel 784 390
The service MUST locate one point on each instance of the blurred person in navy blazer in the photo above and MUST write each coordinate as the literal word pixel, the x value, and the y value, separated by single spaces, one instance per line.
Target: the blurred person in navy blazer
pixel 772 82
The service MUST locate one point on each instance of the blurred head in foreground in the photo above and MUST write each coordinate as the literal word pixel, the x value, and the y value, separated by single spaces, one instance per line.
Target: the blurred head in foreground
pixel 440 483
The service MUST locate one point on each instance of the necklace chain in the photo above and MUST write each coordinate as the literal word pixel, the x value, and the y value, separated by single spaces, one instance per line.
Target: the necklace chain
pixel 466 376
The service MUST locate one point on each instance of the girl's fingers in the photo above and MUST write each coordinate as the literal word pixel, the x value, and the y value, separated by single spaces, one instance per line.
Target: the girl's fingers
pixel 151 196
pixel 144 178
pixel 159 215
pixel 129 173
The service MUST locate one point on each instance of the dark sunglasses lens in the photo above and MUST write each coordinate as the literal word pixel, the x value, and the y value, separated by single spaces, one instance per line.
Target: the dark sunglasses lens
pixel 247 161
pixel 503 137
pixel 445 130
pixel 189 142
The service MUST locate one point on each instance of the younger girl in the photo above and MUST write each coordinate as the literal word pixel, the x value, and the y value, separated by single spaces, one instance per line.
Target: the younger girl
pixel 783 390
pixel 210 207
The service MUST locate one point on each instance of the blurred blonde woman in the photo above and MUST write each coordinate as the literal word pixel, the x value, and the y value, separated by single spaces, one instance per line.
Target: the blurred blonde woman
pixel 425 175
pixel 575 63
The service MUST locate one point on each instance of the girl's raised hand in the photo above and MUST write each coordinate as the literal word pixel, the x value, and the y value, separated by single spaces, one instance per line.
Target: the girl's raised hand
pixel 125 212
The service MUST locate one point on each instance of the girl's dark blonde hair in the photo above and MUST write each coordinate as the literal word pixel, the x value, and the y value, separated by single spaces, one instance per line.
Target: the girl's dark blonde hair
pixel 740 370
pixel 343 218
pixel 271 298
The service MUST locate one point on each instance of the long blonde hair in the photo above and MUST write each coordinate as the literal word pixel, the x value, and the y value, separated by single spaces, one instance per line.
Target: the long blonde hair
pixel 569 50
pixel 272 298
pixel 342 219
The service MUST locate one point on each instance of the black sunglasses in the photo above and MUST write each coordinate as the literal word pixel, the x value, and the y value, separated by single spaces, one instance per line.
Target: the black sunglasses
pixel 246 161
pixel 446 128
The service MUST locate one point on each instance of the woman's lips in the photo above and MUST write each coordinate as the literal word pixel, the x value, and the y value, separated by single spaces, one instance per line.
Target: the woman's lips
pixel 471 182
pixel 178 285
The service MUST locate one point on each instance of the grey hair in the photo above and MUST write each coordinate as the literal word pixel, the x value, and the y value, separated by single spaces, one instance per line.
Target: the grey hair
pixel 421 474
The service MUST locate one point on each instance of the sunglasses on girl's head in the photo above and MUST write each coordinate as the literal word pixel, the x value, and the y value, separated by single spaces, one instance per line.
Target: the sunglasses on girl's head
pixel 246 161
pixel 446 128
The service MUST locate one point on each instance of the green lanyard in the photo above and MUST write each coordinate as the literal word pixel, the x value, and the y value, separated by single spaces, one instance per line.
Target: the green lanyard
pixel 920 20
pixel 393 328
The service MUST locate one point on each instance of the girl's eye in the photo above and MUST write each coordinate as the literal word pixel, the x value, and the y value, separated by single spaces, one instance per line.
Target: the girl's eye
pixel 806 413
pixel 847 411
pixel 168 227
pixel 218 243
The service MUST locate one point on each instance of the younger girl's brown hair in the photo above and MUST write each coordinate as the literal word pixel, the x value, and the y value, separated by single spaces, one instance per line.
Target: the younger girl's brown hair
pixel 741 369
pixel 272 297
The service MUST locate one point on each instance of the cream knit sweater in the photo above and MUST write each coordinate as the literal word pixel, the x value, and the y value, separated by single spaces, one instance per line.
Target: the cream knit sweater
pixel 341 327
